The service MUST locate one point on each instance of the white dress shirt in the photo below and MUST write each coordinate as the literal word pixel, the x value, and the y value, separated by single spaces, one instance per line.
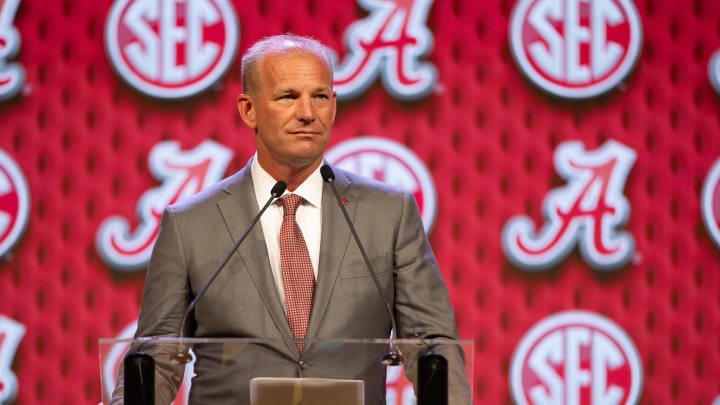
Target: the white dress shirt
pixel 308 217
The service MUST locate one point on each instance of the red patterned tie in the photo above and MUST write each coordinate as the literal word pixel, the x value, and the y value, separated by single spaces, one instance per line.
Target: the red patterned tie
pixel 297 272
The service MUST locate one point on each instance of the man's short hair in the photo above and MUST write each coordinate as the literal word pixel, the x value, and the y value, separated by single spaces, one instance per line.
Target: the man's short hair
pixel 285 43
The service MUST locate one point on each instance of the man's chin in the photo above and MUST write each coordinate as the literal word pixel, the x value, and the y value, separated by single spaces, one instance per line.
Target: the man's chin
pixel 307 155
pixel 299 161
pixel 309 161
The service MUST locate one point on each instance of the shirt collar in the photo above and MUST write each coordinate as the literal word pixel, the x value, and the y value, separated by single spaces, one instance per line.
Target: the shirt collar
pixel 310 190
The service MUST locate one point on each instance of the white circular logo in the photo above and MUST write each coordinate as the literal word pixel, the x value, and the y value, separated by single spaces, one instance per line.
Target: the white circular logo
pixel 576 357
pixel 714 70
pixel 575 48
pixel 390 162
pixel 170 48
pixel 14 203
pixel 710 202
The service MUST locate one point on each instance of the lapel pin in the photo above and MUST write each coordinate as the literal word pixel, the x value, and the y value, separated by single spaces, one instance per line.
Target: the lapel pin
pixel 344 201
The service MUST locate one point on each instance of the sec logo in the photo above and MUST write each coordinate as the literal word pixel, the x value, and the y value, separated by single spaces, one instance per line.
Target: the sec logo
pixel 171 48
pixel 576 358
pixel 390 162
pixel 575 48
pixel 710 201
pixel 14 203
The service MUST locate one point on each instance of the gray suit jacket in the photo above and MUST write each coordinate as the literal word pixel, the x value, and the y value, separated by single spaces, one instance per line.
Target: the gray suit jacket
pixel 243 301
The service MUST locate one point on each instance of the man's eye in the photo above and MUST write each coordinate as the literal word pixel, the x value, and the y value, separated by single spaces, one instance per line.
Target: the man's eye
pixel 322 96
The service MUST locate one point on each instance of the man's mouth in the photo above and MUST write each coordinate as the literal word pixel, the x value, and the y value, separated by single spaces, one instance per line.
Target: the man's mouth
pixel 305 133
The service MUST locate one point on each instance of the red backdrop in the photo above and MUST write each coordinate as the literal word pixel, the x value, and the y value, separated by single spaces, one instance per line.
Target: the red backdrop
pixel 82 138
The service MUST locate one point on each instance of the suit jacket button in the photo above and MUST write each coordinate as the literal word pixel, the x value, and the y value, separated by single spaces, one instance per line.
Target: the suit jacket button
pixel 303 365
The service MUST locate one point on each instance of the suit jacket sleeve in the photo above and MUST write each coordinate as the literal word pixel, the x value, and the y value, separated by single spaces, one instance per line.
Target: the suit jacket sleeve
pixel 422 304
pixel 165 297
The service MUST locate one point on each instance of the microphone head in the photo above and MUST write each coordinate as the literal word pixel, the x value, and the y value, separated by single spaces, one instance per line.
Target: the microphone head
pixel 278 188
pixel 393 358
pixel 182 356
pixel 327 173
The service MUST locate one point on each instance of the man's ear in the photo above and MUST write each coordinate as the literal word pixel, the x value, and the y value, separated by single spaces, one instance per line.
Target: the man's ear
pixel 246 108
pixel 334 104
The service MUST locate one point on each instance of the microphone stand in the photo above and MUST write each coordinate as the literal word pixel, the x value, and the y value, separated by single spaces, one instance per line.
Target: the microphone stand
pixel 182 356
pixel 393 357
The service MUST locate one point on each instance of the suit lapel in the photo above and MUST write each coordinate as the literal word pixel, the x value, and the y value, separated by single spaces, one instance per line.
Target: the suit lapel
pixel 335 236
pixel 253 251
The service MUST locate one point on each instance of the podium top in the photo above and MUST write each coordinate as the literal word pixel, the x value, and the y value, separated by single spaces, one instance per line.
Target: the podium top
pixel 196 340
pixel 224 367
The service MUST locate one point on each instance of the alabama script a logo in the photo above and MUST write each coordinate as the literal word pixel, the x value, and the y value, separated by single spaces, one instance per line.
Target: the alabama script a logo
pixel 11 333
pixel 588 211
pixel 182 173
pixel 12 75
pixel 171 48
pixel 389 42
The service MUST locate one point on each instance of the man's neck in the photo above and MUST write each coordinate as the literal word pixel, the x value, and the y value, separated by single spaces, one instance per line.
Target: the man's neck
pixel 293 176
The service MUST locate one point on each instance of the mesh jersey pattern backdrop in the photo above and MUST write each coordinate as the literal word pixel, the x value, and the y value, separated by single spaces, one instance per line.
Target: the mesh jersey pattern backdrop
pixel 82 137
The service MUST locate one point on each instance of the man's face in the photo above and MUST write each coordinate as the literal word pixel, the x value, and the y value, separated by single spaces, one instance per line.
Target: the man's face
pixel 293 109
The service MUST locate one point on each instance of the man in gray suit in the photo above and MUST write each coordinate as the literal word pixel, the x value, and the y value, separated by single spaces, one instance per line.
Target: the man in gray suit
pixel 301 277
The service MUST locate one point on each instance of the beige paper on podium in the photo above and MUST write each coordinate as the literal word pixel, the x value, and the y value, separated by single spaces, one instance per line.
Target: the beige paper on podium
pixel 306 391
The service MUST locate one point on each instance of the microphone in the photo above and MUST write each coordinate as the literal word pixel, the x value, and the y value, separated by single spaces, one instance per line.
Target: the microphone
pixel 393 357
pixel 182 356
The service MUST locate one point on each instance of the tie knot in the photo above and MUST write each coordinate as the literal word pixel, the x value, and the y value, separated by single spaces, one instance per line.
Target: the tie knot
pixel 290 204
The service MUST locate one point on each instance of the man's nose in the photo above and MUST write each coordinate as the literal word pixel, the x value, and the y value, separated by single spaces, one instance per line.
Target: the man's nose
pixel 304 111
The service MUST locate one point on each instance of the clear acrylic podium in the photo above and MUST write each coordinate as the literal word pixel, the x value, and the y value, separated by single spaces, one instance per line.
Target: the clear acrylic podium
pixel 220 370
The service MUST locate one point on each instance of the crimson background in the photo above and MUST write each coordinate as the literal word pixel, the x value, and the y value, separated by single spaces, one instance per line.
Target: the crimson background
pixel 82 138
